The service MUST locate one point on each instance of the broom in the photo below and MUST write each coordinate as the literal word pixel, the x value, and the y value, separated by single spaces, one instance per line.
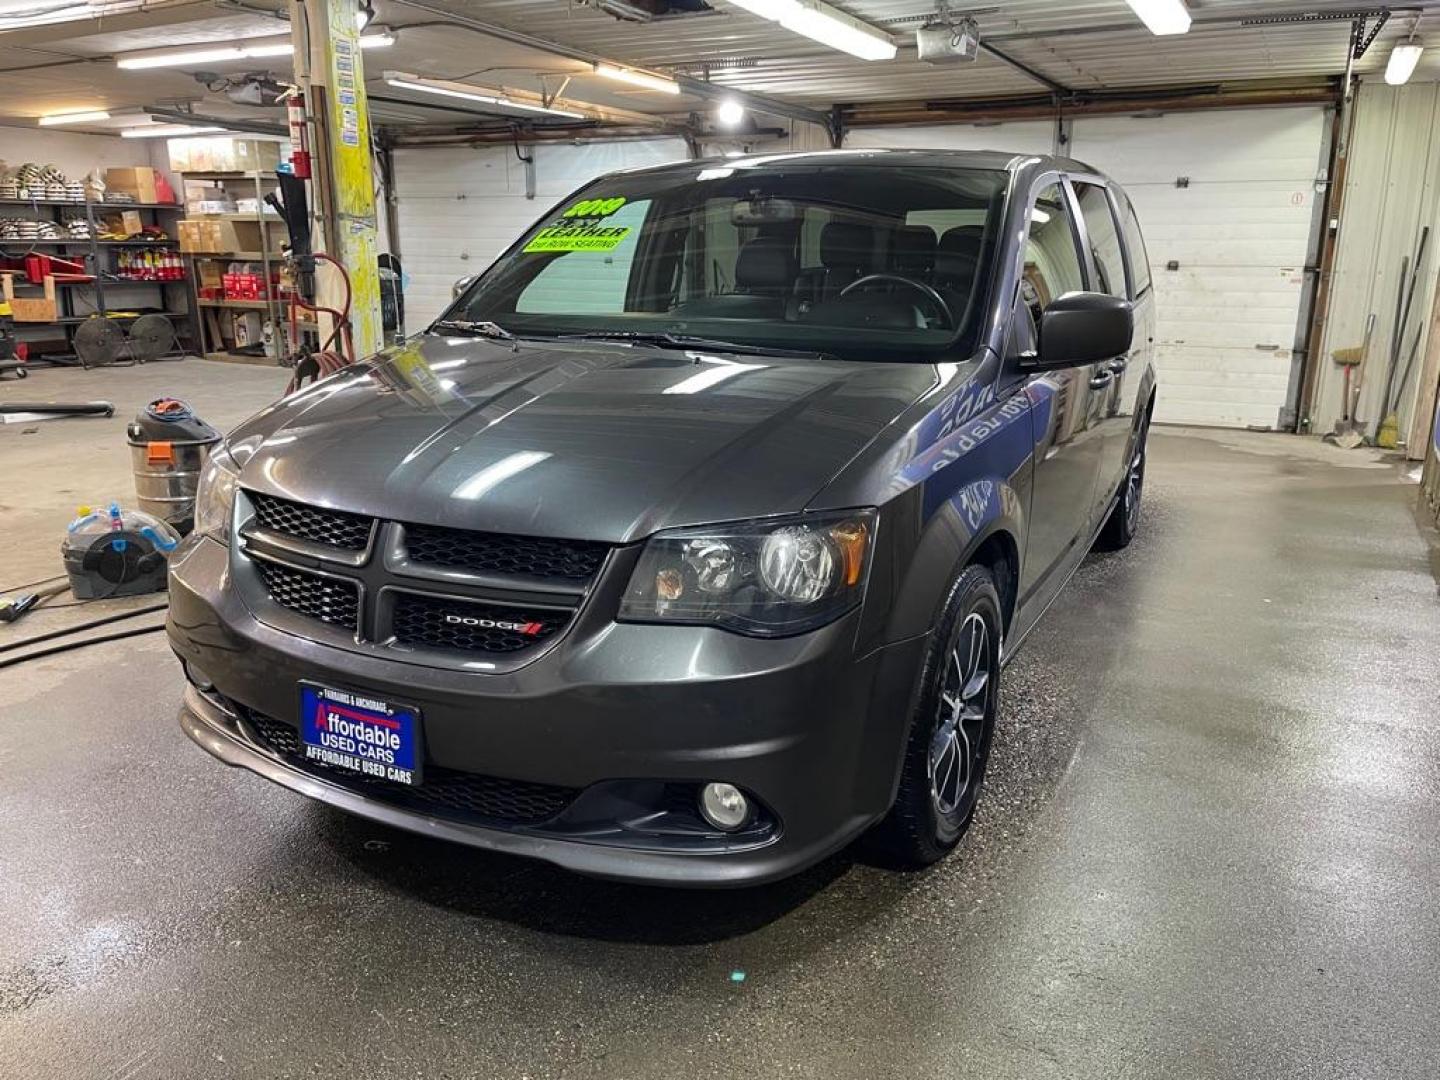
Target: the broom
pixel 1346 434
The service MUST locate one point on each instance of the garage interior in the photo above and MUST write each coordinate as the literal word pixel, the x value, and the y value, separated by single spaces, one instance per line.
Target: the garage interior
pixel 1207 845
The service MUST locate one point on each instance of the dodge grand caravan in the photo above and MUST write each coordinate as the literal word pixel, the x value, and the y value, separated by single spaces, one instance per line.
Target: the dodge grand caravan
pixel 690 543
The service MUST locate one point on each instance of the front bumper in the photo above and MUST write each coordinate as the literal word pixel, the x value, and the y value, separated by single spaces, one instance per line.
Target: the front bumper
pixel 811 731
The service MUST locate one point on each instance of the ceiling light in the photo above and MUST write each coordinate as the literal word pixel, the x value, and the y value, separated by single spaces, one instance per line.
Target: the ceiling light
pixel 173 58
pixel 1162 16
pixel 268 48
pixel 74 118
pixel 638 78
pixel 1403 59
pixel 729 113
pixel 363 14
pixel 166 131
pixel 245 49
pixel 827 25
pixel 830 27
pixel 480 94
pixel 767 9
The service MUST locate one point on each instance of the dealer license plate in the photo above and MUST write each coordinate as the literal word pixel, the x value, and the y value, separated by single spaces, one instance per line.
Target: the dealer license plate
pixel 354 731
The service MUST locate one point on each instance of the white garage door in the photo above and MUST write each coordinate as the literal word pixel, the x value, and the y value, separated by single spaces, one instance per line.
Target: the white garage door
pixel 460 207
pixel 1239 231
pixel 1238 226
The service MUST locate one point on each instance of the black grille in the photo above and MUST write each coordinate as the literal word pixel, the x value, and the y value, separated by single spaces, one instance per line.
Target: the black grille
pixel 444 792
pixel 328 599
pixel 530 556
pixel 334 528
pixel 436 623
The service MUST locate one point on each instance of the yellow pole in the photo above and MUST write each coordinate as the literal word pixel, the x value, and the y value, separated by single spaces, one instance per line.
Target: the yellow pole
pixel 331 74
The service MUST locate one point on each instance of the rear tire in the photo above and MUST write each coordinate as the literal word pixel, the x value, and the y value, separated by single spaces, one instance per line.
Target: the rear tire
pixel 951 731
pixel 1124 520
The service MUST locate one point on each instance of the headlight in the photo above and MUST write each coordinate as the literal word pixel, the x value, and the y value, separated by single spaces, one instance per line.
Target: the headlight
pixel 767 578
pixel 215 496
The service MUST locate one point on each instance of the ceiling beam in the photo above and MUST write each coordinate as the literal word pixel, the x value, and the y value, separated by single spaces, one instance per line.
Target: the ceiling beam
pixel 760 103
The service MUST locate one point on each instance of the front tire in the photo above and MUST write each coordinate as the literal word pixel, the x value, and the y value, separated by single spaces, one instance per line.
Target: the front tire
pixel 951 731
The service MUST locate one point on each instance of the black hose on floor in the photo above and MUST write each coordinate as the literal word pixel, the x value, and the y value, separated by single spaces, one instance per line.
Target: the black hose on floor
pixel 106 621
pixel 67 646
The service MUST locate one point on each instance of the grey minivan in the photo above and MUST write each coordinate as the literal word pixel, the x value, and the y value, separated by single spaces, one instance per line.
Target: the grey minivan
pixel 689 544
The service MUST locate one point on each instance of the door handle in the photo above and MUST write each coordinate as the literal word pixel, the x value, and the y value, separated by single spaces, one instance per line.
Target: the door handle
pixel 1100 381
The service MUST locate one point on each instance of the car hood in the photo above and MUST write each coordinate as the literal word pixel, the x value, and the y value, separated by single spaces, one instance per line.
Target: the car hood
pixel 586 440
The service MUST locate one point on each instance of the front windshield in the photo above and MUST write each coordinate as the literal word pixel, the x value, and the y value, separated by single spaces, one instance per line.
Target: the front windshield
pixel 860 262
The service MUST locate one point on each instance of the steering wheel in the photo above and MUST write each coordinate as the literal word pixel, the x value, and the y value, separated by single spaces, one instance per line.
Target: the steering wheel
pixel 919 286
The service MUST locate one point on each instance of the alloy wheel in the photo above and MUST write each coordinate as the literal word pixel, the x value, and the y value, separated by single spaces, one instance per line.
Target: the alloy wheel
pixel 1134 485
pixel 957 743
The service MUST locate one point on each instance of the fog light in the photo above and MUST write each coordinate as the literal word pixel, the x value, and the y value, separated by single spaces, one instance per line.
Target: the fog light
pixel 724 806
pixel 198 678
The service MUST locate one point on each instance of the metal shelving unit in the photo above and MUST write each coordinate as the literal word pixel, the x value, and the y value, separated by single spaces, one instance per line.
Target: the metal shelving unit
pixel 273 308
pixel 98 265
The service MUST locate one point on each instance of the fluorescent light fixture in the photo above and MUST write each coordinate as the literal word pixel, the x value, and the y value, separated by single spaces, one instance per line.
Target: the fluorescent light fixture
pixel 768 9
pixel 465 92
pixel 834 28
pixel 825 24
pixel 729 113
pixel 244 49
pixel 166 131
pixel 74 118
pixel 1162 16
pixel 637 78
pixel 175 58
pixel 1403 59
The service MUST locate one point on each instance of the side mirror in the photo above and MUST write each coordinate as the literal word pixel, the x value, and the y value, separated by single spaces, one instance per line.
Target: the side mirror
pixel 461 285
pixel 1083 328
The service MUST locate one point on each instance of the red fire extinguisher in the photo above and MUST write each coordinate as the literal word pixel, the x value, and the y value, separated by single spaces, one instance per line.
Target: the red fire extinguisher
pixel 299 135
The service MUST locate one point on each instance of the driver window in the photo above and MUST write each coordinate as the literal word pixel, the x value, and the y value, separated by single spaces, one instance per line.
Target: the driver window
pixel 1052 255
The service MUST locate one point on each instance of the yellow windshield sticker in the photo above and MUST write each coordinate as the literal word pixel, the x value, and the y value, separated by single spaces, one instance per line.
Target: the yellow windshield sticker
pixel 577 238
pixel 595 207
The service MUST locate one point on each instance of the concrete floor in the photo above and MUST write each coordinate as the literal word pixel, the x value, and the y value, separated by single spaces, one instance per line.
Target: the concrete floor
pixel 1208 847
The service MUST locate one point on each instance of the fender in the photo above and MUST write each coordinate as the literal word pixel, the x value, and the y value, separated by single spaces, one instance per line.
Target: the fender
pixel 974 484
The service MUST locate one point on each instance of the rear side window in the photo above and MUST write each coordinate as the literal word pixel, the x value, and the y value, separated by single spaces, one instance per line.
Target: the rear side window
pixel 1139 262
pixel 1052 259
pixel 1104 239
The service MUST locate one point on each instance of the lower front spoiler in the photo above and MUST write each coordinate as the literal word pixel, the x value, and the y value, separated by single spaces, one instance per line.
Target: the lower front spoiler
pixel 218 732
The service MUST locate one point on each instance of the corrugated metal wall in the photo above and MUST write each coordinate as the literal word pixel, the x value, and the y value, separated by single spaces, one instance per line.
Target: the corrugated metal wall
pixel 1390 194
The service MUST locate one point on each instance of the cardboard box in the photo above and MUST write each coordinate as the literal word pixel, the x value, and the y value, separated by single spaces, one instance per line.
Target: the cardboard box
pixel 192 235
pixel 29 309
pixel 209 274
pixel 139 182
pixel 128 222
pixel 223 155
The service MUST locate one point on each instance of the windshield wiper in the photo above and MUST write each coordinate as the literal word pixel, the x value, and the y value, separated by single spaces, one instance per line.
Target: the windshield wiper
pixel 687 341
pixel 480 328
